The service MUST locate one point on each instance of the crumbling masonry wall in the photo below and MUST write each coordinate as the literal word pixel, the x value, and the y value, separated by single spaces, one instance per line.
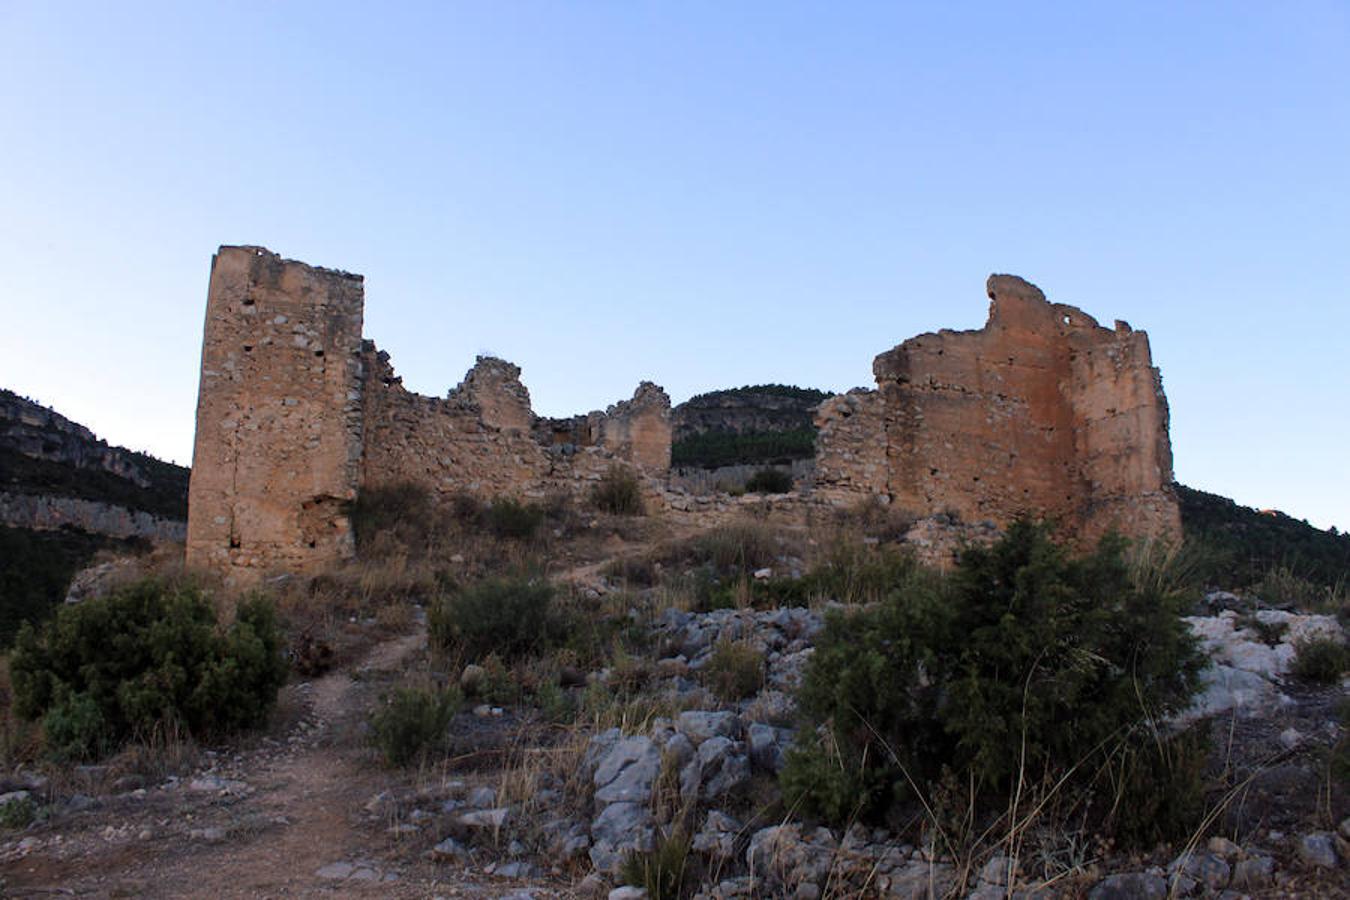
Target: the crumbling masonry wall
pixel 278 447
pixel 296 413
pixel 1042 411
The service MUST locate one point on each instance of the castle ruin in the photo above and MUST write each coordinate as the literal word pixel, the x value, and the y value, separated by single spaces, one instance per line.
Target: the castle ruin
pixel 296 413
pixel 1041 411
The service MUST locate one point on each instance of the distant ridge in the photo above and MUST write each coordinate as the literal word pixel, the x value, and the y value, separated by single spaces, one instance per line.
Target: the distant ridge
pixel 64 496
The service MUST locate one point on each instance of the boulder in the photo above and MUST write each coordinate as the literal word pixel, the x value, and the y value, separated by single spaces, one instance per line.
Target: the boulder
pixel 627 772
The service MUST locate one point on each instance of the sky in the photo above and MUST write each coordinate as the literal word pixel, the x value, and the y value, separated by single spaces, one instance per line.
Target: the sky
pixel 704 194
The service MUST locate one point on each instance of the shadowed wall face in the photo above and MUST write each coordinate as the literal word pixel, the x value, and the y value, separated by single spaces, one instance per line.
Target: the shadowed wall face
pixel 278 445
pixel 1042 411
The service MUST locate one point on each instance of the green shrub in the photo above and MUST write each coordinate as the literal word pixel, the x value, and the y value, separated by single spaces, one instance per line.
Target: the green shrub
pixel 17 812
pixel 735 549
pixel 509 616
pixel 394 515
pixel 498 685
pixel 412 722
pixel 1159 788
pixel 148 654
pixel 1023 661
pixel 555 705
pixel 769 481
pixel 1321 660
pixel 1246 546
pixel 1270 633
pixel 713 449
pixel 664 872
pixel 508 518
pixel 618 492
pixel 36 568
pixel 734 671
pixel 1281 586
pixel 856 572
pixel 1338 754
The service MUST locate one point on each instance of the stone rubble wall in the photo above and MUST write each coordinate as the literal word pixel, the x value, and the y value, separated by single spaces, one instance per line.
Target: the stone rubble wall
pixel 1042 411
pixel 297 413
pixel 850 451
pixel 479 442
pixel 46 513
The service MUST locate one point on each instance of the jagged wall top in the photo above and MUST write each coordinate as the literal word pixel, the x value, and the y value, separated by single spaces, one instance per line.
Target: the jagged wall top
pixel 296 412
pixel 1041 411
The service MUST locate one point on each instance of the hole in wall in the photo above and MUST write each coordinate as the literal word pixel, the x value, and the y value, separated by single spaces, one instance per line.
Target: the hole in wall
pixel 1066 320
pixel 248 348
pixel 318 353
pixel 249 301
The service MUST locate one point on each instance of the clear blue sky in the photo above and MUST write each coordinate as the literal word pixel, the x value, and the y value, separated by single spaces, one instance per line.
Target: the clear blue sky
pixel 704 194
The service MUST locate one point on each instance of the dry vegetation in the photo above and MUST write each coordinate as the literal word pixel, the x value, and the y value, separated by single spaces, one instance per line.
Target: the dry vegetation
pixel 480 647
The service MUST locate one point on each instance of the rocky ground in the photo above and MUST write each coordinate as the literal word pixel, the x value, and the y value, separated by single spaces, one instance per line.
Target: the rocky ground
pixel 522 806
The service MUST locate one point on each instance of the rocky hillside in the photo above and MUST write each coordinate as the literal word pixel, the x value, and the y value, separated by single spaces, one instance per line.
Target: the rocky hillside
pixel 1245 545
pixel 759 424
pixel 43 453
pixel 65 495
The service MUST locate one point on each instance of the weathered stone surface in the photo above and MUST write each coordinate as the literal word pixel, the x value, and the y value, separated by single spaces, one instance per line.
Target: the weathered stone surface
pixel 278 446
pixel 718 836
pixel 1253 873
pixel 1130 886
pixel 46 513
pixel 628 771
pixel 619 829
pixel 1042 410
pixel 1318 849
pixel 639 429
pixel 492 388
pixel 699 725
pixel 719 768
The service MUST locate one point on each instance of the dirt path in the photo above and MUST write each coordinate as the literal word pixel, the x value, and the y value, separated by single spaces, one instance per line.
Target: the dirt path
pixel 286 818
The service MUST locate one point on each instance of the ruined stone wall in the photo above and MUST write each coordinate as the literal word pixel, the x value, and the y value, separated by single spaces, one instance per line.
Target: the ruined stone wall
pixel 296 413
pixel 483 439
pixel 278 446
pixel 1041 411
pixel 639 430
pixel 850 451
pixel 469 442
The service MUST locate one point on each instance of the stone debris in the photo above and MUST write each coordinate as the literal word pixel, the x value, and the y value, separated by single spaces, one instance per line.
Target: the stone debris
pixel 355 872
pixel 1318 849
pixel 1245 674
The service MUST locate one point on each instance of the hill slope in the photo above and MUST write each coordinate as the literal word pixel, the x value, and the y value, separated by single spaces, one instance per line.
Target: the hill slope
pixel 64 496
pixel 756 424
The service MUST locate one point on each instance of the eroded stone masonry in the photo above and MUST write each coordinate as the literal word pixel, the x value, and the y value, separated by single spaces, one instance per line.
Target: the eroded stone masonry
pixel 1042 411
pixel 296 413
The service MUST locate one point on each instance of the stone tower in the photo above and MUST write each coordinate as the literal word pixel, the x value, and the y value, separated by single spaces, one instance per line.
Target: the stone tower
pixel 278 447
